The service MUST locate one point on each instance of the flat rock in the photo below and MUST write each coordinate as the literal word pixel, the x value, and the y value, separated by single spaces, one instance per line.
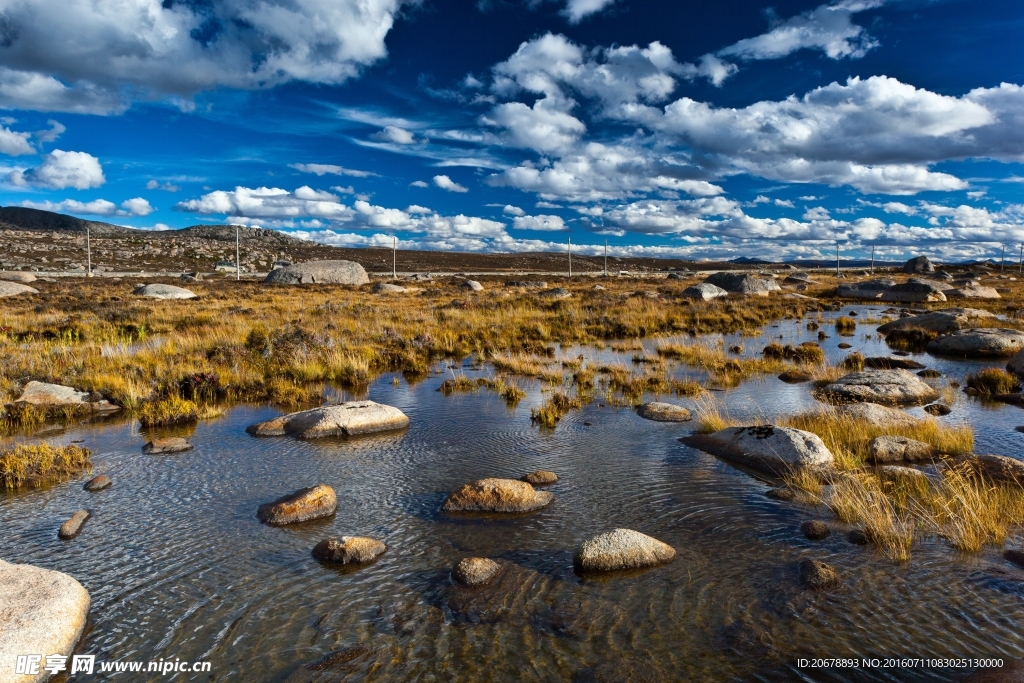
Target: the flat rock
pixel 15 276
pixel 345 419
pixel 704 291
pixel 941 321
pixel 796 376
pixel 97 483
pixel 497 495
pixel 815 530
pixel 348 550
pixel 8 288
pixel 892 363
pixel 818 575
pixel 884 449
pixel 868 289
pixel 305 504
pixel 771 449
pixel 973 291
pixel 472 285
pixel 322 272
pixel 161 291
pixel 743 283
pixel 664 412
pixel 475 571
pixel 885 387
pixel 915 290
pixel 43 394
pixel 622 549
pixel 387 288
pixel 919 264
pixel 172 444
pixel 980 342
pixel 902 476
pixel 73 526
pixel 555 293
pixel 997 468
pixel 541 478
pixel 41 612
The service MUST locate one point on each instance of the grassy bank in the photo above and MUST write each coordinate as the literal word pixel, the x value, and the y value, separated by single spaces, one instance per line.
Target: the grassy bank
pixel 26 465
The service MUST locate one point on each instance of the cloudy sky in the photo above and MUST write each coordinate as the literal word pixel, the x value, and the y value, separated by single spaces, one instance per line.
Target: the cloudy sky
pixel 696 129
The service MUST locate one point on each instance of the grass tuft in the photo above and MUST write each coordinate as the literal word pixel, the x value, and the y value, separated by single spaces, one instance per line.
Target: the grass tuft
pixel 38 464
pixel 992 381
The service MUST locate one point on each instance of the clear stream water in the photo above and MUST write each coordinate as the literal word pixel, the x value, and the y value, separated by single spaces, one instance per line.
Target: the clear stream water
pixel 179 567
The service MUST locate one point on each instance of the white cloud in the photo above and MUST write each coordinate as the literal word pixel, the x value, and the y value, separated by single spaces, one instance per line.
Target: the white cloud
pixel 420 183
pixel 544 128
pixel 539 222
pixel 55 130
pixel 330 169
pixel 60 170
pixel 446 183
pixel 817 213
pixel 97 207
pixel 899 207
pixel 15 144
pixel 396 135
pixel 89 57
pixel 137 207
pixel 577 10
pixel 167 186
pixel 416 208
pixel 510 210
pixel 268 202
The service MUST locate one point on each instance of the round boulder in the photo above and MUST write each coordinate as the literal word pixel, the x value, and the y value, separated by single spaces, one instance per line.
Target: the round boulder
pixel 980 342
pixel 322 272
pixel 497 495
pixel 664 412
pixel 472 285
pixel 815 530
pixel 8 288
pixel 475 571
pixel 818 575
pixel 775 450
pixel 305 504
pixel 16 276
pixel 161 291
pixel 348 550
pixel 541 478
pixel 98 483
pixel 886 387
pixel 622 549
pixel 919 264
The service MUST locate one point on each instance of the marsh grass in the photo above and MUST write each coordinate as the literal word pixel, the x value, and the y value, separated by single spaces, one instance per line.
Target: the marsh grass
pixel 992 381
pixel 554 409
pixel 459 383
pixel 708 415
pixel 859 499
pixel 506 387
pixel 845 325
pixel 37 464
pixel 169 411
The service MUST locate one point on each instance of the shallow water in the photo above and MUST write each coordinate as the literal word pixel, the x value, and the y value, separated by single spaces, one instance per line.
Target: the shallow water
pixel 179 567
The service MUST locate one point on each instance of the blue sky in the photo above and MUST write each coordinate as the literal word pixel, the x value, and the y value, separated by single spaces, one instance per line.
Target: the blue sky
pixel 700 130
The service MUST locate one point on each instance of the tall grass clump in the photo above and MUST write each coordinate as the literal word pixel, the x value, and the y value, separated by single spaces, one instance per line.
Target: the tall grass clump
pixel 992 381
pixel 554 409
pixel 845 325
pixel 708 415
pixel 860 499
pixel 38 464
pixel 169 411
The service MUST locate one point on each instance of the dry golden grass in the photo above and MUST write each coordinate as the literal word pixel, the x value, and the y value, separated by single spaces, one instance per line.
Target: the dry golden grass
pixel 34 465
pixel 555 408
pixel 169 411
pixel 721 368
pixel 993 381
pixel 859 499
pixel 708 415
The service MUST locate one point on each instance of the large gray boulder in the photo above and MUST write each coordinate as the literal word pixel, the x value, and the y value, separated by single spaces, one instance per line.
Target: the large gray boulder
pixel 979 342
pixel 876 415
pixel 919 264
pixel 622 549
pixel 703 291
pixel 915 290
pixel 497 495
pixel 42 612
pixel 972 290
pixel 161 291
pixel 868 289
pixel 767 448
pixel 941 321
pixel 885 387
pixel 743 283
pixel 1016 364
pixel 17 276
pixel 8 288
pixel 886 449
pixel 346 419
pixel 44 394
pixel 664 412
pixel 322 272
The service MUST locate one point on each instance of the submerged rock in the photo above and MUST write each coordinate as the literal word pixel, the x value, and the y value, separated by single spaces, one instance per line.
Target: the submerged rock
pixel 929 374
pixel 771 449
pixel 8 288
pixel 327 272
pixel 497 495
pixel 857 537
pixel 886 387
pixel 42 612
pixel 73 526
pixel 877 415
pixel 97 483
pixel 892 363
pixel 305 504
pixel 346 419
pixel 815 530
pixel 818 575
pixel 743 283
pixel 475 571
pixel 883 449
pixel 703 291
pixel 43 394
pixel 796 376
pixel 938 409
pixel 622 549
pixel 541 478
pixel 161 291
pixel 785 494
pixel 664 412
pixel 980 342
pixel 348 550
pixel 173 444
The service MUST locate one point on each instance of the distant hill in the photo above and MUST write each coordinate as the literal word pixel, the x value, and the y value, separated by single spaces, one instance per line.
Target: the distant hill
pixel 20 218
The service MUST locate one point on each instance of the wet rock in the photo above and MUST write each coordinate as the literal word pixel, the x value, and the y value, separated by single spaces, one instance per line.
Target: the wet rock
pixel 929 374
pixel 919 264
pixel 555 293
pixel 15 276
pixel 1015 556
pixel 1016 364
pixel 941 321
pixel 818 575
pixel 497 495
pixel 743 283
pixel 885 387
pixel 326 272
pixel 387 288
pixel 8 288
pixel 981 342
pixel 815 530
pixel 771 449
pixel 472 285
pixel 41 612
pixel 972 291
pixel 346 419
pixel 541 478
pixel 844 345
pixel 475 571
pixel 796 376
pixel 73 526
pixel 664 412
pixel 997 468
pixel 915 290
pixel 305 504
pixel 877 415
pixel 161 291
pixel 869 289
pixel 938 409
pixel 857 537
pixel 703 292
pixel 883 449
pixel 98 483
pixel 902 476
pixel 348 550
pixel 174 444
pixel 622 549
pixel 784 494
pixel 892 363
pixel 43 394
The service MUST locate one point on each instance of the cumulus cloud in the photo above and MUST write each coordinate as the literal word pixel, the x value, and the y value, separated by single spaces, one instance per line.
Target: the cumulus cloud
pixel 540 222
pixel 330 169
pixel 97 207
pixel 419 183
pixel 577 10
pixel 55 130
pixel 15 144
pixel 268 202
pixel 446 183
pixel 91 57
pixel 395 135
pixel 510 210
pixel 60 170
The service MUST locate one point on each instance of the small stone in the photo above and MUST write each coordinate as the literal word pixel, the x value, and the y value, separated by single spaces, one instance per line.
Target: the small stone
pixel 174 444
pixel 781 493
pixel 929 374
pixel 818 575
pixel 796 376
pixel 98 483
pixel 937 409
pixel 305 504
pixel 844 345
pixel 73 526
pixel 664 412
pixel 857 537
pixel 348 550
pixel 475 571
pixel 815 530
pixel 541 478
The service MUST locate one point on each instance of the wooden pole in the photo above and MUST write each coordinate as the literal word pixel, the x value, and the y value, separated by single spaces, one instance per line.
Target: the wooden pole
pixel 872 259
pixel 837 259
pixel 394 257
pixel 88 250
pixel 606 258
pixel 570 256
pixel 238 263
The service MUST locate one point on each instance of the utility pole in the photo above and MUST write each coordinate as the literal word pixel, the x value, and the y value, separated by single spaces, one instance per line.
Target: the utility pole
pixel 238 264
pixel 837 259
pixel 394 257
pixel 606 258
pixel 88 250
pixel 570 256
pixel 1020 266
pixel 1002 259
pixel 872 259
